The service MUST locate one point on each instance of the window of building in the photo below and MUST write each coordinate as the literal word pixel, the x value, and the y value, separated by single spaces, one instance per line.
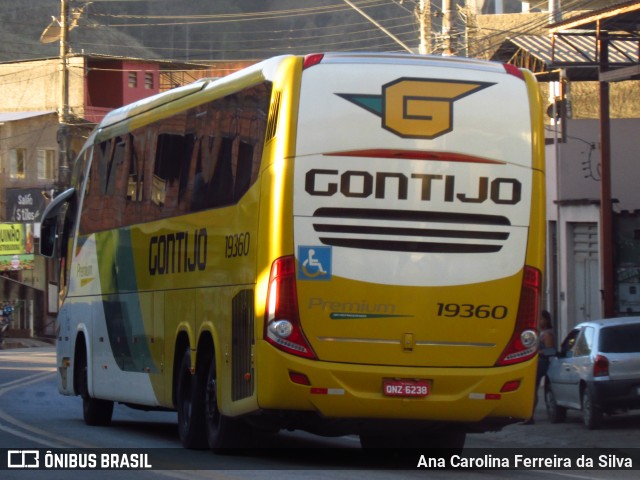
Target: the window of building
pixel 17 163
pixel 46 164
pixel 148 81
pixel 133 79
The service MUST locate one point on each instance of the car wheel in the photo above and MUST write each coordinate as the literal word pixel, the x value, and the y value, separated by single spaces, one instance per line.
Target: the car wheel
pixel 555 412
pixel 591 414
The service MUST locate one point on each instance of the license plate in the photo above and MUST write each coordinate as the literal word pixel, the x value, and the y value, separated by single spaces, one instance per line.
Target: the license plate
pixel 393 387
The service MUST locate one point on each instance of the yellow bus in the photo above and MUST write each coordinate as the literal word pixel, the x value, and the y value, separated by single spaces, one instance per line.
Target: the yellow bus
pixel 336 243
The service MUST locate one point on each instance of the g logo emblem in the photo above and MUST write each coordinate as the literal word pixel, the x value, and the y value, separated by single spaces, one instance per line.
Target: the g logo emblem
pixel 417 107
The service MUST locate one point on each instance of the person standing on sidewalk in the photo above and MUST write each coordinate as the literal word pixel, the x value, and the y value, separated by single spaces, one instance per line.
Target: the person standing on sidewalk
pixel 546 340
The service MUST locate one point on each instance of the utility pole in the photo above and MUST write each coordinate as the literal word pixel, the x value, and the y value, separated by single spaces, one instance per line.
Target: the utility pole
pixel 63 107
pixel 606 204
pixel 423 15
pixel 447 28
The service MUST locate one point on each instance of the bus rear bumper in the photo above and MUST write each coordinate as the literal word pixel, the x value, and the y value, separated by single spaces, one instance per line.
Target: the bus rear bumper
pixel 480 398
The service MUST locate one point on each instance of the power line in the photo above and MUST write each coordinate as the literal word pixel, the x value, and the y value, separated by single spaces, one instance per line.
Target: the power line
pixel 234 17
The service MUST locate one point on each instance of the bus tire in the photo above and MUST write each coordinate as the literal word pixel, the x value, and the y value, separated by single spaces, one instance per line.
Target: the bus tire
pixel 224 434
pixel 95 412
pixel 190 406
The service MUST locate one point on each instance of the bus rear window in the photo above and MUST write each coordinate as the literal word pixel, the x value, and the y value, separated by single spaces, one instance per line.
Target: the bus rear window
pixel 620 339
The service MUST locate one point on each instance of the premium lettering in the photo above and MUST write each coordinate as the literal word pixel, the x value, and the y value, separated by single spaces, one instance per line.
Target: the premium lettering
pixel 351 307
pixel 178 252
pixel 361 184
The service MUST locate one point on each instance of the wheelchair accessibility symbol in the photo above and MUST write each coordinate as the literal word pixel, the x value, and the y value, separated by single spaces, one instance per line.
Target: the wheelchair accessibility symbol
pixel 314 263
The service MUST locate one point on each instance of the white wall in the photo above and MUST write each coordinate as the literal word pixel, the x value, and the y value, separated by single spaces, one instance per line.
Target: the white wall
pixel 573 195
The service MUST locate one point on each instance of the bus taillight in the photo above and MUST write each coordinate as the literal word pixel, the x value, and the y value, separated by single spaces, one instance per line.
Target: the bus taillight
pixel 524 341
pixel 282 319
pixel 312 59
pixel 513 70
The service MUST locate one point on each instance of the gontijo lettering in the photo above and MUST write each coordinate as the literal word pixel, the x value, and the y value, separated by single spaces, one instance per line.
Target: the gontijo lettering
pixel 362 184
pixel 178 252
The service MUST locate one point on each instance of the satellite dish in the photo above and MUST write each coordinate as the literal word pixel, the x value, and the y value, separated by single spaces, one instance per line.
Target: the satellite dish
pixel 52 32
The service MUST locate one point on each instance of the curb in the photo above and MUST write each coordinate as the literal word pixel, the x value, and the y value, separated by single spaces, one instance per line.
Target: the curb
pixel 11 343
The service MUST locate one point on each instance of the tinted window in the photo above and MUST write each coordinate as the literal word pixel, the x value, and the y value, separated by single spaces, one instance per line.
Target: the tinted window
pixel 584 343
pixel 620 339
pixel 202 158
pixel 569 343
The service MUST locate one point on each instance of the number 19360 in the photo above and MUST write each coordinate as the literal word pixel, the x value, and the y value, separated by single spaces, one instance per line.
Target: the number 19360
pixel 237 245
pixel 468 310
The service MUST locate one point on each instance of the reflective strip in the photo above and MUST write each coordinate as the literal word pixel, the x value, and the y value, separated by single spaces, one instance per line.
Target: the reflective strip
pixel 327 391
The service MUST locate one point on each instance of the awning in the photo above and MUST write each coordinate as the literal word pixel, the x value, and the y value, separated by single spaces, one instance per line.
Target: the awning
pixel 577 50
pixel 577 54
pixel 13 116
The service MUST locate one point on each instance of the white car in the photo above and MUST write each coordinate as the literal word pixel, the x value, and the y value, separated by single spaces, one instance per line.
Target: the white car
pixel 597 371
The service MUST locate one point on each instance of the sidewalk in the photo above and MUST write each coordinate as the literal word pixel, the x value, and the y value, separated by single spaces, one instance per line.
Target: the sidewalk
pixel 10 343
pixel 617 431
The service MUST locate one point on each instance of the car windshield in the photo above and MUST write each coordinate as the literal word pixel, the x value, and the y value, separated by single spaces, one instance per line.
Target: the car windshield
pixel 620 339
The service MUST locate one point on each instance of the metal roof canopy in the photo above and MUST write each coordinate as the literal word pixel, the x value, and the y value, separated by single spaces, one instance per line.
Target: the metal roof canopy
pixel 14 116
pixel 612 33
pixel 577 54
pixel 621 17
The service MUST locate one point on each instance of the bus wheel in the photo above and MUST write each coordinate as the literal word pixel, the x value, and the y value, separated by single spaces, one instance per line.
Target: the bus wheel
pixel 224 434
pixel 95 412
pixel 190 400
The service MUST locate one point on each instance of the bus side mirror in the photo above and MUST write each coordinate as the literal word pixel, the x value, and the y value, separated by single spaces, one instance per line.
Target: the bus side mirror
pixel 49 224
pixel 48 235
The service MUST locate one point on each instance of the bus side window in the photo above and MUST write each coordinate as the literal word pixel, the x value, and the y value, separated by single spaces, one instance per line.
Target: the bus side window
pixel 117 161
pixel 136 173
pixel 244 168
pixel 221 189
pixel 166 170
pixel 229 148
pixel 203 173
pixel 80 169
pixel 115 193
pixel 92 204
pixel 185 168
pixel 65 245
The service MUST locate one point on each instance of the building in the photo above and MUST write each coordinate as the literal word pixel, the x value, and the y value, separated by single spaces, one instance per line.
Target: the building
pixel 30 159
pixel 592 149
pixel 28 162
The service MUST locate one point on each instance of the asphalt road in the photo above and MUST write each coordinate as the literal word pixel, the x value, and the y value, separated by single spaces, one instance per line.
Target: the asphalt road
pixel 34 416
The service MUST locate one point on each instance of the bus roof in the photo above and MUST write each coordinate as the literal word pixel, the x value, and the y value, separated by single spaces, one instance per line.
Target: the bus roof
pixel 150 103
pixel 250 75
pixel 414 59
pixel 266 70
